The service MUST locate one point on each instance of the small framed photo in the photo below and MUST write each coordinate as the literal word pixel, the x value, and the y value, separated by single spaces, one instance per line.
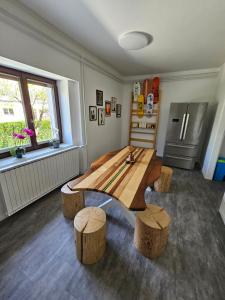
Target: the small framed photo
pixel 99 97
pixel 135 125
pixel 107 108
pixel 101 116
pixel 92 113
pixel 118 110
pixel 113 104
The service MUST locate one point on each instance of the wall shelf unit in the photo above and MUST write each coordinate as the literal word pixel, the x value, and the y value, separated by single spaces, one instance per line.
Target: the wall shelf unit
pixel 143 130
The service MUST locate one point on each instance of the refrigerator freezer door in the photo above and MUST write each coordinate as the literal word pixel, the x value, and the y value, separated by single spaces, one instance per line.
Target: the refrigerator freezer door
pixel 194 123
pixel 176 122
pixel 181 150
pixel 179 161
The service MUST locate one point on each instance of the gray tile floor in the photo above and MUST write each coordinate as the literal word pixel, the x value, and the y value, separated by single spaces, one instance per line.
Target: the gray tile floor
pixel 37 256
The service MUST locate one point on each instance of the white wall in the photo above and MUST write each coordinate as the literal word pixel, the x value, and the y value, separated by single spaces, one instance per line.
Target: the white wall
pixel 19 44
pixel 218 129
pixel 222 148
pixel 101 139
pixel 189 90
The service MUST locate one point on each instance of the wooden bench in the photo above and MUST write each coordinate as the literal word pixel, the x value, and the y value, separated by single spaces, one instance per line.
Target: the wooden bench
pixel 90 234
pixel 151 231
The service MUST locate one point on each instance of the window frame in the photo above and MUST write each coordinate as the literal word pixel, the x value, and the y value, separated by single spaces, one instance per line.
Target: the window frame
pixel 23 79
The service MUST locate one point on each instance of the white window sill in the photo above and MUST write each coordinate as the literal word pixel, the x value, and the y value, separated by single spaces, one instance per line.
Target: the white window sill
pixel 9 163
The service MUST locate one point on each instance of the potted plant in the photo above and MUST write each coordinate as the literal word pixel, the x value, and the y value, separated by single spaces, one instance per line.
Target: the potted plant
pixel 55 142
pixel 19 150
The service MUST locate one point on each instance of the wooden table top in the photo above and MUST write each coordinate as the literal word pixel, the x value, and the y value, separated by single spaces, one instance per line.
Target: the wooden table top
pixel 125 182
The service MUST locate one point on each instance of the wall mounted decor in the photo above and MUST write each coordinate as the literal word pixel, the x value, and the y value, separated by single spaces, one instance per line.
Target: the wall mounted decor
pixel 107 108
pixel 113 104
pixel 92 113
pixel 145 104
pixel 101 116
pixel 118 110
pixel 99 97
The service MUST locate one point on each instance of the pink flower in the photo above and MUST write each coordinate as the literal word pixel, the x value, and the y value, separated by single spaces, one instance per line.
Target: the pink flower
pixel 28 131
pixel 14 135
pixel 20 136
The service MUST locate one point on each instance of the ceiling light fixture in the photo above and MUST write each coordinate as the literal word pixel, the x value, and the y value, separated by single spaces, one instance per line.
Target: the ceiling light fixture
pixel 135 40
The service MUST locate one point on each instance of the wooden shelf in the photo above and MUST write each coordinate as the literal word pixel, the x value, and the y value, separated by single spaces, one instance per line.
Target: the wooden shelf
pixel 139 132
pixel 142 140
pixel 146 117
pixel 155 111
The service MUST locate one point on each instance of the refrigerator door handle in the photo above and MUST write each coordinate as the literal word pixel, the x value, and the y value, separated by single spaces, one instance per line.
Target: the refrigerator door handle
pixel 182 127
pixel 186 125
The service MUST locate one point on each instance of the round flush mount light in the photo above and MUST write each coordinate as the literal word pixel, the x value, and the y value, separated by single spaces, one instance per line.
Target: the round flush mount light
pixel 135 40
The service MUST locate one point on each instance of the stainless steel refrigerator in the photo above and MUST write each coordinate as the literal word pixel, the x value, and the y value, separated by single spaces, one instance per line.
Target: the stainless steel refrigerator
pixel 185 132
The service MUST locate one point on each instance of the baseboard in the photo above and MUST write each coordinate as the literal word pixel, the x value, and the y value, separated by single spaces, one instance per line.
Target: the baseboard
pixel 222 209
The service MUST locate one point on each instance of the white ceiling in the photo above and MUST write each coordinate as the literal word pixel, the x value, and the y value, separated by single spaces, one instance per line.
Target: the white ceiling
pixel 188 34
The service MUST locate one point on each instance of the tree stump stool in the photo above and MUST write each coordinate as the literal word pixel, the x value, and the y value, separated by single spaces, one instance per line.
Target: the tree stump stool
pixel 163 183
pixel 72 202
pixel 151 231
pixel 90 234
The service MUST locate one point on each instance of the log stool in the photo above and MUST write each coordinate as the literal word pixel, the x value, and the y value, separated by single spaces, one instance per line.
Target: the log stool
pixel 163 183
pixel 151 231
pixel 90 232
pixel 72 202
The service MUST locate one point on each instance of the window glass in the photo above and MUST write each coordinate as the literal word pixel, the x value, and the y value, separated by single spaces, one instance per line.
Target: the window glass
pixel 12 116
pixel 43 110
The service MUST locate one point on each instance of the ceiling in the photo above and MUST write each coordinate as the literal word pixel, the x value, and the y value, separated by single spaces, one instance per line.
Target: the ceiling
pixel 187 34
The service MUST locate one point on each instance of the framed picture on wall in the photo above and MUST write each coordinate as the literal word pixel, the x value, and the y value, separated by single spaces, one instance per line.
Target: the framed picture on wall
pixel 118 110
pixel 99 97
pixel 101 116
pixel 113 104
pixel 92 113
pixel 107 108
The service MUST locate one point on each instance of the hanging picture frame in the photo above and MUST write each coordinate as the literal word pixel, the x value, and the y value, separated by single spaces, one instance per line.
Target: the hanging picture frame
pixel 99 97
pixel 118 110
pixel 108 108
pixel 113 104
pixel 92 113
pixel 101 116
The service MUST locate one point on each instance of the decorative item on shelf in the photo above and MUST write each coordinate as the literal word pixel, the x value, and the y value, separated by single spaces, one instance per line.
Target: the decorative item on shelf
pixel 136 90
pixel 150 101
pixel 113 104
pixel 19 149
pixel 118 110
pixel 135 125
pixel 99 97
pixel 147 89
pixel 55 141
pixel 101 116
pixel 142 125
pixel 140 109
pixel 108 108
pixel 92 113
pixel 155 89
pixel 150 126
pixel 130 159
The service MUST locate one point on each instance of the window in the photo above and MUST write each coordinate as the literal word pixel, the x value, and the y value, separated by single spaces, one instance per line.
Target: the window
pixel 8 111
pixel 27 100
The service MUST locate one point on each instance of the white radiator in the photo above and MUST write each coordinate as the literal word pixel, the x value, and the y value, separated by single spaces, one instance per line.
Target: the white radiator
pixel 27 183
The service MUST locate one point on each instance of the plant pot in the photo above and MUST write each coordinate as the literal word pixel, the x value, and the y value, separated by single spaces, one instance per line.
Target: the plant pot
pixel 55 144
pixel 19 152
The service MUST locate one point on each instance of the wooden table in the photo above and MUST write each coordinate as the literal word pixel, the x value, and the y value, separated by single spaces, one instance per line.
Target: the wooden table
pixel 125 182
